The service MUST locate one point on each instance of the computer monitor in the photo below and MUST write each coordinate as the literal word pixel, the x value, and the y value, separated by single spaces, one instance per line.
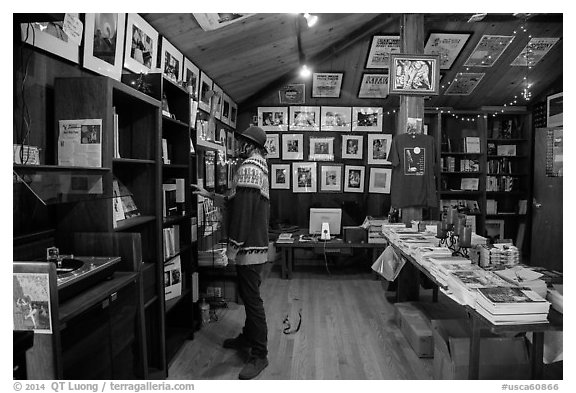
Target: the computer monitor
pixel 332 216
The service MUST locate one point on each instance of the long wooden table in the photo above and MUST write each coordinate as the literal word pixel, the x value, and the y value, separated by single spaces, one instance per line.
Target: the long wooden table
pixel 477 321
pixel 334 246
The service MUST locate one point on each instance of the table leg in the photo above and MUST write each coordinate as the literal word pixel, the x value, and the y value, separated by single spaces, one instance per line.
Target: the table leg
pixel 474 355
pixel 284 262
pixel 536 355
pixel 290 262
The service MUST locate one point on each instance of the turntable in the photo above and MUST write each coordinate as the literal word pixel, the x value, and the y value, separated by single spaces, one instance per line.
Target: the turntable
pixel 76 274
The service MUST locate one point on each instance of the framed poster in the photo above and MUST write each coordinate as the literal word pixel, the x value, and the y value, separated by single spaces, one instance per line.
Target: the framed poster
pixel 191 78
pixel 205 88
pixel 217 99
pixel 280 177
pixel 292 94
pixel 104 43
pixel 233 114
pixel 447 46
pixel 271 118
pixel 534 51
pixel 172 61
pixel 51 37
pixel 326 84
pixel 352 146
pixel 379 182
pixel 225 116
pixel 273 145
pixel 141 45
pixel 304 177
pixel 292 146
pixel 374 86
pixel 304 118
pixel 554 110
pixel 330 178
pixel 321 149
pixel 367 118
pixel 488 50
pixel 354 178
pixel 414 74
pixel 464 83
pixel 335 118
pixel 379 148
pixel 380 49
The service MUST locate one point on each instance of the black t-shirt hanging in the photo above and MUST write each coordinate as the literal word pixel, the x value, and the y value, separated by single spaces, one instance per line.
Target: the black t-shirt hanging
pixel 413 158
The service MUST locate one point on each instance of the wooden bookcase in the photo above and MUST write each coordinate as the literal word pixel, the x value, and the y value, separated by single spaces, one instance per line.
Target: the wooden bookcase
pixel 509 130
pixel 141 124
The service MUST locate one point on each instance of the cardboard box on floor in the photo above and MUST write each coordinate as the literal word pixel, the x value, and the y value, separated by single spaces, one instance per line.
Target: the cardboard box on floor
pixel 500 357
pixel 413 319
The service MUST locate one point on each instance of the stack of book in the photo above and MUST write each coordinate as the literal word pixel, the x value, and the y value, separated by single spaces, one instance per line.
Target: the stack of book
pixel 524 277
pixel 441 265
pixel 511 305
pixel 499 255
pixel 374 226
pixel 464 283
pixel 216 257
pixel 285 237
pixel 423 254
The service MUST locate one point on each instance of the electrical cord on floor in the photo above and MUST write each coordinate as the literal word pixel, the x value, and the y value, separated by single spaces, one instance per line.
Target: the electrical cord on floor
pixel 288 326
pixel 326 260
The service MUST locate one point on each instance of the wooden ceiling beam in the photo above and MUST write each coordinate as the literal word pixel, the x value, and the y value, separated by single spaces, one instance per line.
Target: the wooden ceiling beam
pixel 382 22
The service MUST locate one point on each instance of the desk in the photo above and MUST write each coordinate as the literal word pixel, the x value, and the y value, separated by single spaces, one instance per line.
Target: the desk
pixel 478 322
pixel 332 246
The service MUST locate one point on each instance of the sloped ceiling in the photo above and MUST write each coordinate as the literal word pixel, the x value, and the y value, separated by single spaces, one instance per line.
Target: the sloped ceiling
pixel 253 57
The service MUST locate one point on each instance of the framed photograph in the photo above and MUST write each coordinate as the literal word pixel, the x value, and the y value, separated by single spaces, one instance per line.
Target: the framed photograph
pixel 304 177
pixel 233 114
pixel 367 118
pixel 554 110
pixel 354 178
pixel 225 116
pixel 380 180
pixel 172 61
pixel 374 86
pixel 464 83
pixel 304 118
pixel 534 51
pixel 141 45
pixel 292 94
pixel 273 145
pixel 217 99
pixel 488 50
pixel 280 176
pixel 352 147
pixel 272 118
pixel 326 84
pixel 414 74
pixel 494 230
pixel 380 49
pixel 330 178
pixel 335 118
pixel 104 43
pixel 447 46
pixel 191 78
pixel 292 146
pixel 321 149
pixel 205 88
pixel 379 148
pixel 51 37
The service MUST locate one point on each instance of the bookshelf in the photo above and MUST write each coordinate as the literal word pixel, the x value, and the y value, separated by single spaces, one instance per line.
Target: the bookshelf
pixel 499 158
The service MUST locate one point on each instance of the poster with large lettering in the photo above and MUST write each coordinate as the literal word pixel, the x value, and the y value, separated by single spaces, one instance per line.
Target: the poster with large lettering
pixel 373 86
pixel 380 49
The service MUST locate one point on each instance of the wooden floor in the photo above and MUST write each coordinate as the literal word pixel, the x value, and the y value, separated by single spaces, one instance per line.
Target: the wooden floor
pixel 348 331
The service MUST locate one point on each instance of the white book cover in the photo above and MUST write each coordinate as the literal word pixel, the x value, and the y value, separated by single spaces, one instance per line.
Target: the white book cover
pixel 172 279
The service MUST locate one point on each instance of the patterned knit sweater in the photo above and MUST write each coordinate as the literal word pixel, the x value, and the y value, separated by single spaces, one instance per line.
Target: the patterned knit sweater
pixel 248 210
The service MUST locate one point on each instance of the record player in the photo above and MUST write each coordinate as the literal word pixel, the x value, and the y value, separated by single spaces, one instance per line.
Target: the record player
pixel 77 273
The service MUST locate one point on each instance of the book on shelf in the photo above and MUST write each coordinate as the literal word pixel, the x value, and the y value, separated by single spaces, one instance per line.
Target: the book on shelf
pixel 491 150
pixel 116 134
pixel 506 150
pixel 165 154
pixel 173 191
pixel 491 206
pixel 511 300
pixel 172 278
pixel 522 206
pixel 123 201
pixel 472 144
pixel 469 183
pixel 171 243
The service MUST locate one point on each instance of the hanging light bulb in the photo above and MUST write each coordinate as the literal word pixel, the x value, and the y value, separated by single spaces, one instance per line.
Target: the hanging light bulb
pixel 310 19
pixel 305 71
